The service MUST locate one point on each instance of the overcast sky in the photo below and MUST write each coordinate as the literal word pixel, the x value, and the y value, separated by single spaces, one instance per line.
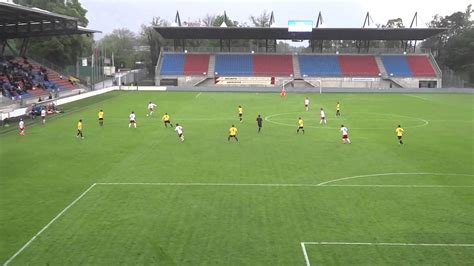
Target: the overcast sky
pixel 107 15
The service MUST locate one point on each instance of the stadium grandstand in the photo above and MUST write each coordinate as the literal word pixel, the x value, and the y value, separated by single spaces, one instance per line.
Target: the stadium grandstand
pixel 364 67
pixel 22 78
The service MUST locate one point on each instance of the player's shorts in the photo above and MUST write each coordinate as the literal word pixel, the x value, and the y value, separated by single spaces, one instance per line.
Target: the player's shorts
pixel 259 125
pixel 180 135
pixel 345 136
pixel 399 137
pixel 79 131
pixel 101 119
pixel 300 127
pixel 167 122
pixel 240 114
pixel 323 118
pixel 306 105
pixel 22 129
pixel 132 122
pixel 151 109
pixel 43 117
pixel 232 136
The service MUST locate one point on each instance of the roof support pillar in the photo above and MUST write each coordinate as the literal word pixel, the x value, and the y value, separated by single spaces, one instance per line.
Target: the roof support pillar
pixel 24 46
pixel 3 45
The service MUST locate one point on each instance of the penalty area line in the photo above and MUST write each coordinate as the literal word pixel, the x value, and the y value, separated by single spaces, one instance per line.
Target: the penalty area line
pixel 274 185
pixel 308 263
pixel 390 244
pixel 47 225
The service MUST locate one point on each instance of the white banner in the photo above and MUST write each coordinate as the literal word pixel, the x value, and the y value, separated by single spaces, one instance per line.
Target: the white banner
pixel 84 61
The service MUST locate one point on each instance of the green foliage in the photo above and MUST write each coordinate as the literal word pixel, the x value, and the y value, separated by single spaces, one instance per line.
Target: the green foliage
pixel 220 18
pixel 149 35
pixel 123 43
pixel 61 50
pixel 454 48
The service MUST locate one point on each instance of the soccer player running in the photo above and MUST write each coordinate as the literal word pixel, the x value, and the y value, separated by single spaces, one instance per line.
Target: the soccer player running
pixel 101 118
pixel 132 120
pixel 167 120
pixel 259 123
pixel 179 129
pixel 241 113
pixel 21 127
pixel 323 117
pixel 80 127
pixel 306 104
pixel 151 108
pixel 43 115
pixel 300 125
pixel 338 109
pixel 399 132
pixel 233 133
pixel 345 135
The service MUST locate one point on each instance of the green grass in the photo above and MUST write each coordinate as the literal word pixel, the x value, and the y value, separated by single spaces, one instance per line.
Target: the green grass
pixel 49 168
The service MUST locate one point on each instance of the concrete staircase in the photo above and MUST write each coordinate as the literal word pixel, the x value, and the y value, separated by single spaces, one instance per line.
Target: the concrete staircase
pixel 296 67
pixel 212 66
pixel 381 66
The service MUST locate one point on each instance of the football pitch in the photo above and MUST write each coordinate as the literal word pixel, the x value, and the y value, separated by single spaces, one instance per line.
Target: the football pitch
pixel 126 196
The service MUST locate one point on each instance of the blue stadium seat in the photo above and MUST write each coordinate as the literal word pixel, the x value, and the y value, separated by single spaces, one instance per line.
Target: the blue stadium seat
pixel 320 65
pixel 234 65
pixel 173 64
pixel 397 65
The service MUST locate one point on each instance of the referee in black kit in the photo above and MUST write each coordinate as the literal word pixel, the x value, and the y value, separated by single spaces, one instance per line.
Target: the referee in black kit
pixel 259 123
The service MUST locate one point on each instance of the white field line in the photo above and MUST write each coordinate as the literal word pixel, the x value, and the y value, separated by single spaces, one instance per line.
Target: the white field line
pixel 418 97
pixel 390 244
pixel 274 185
pixel 267 118
pixel 46 226
pixel 401 186
pixel 199 94
pixel 305 254
pixel 308 263
pixel 388 174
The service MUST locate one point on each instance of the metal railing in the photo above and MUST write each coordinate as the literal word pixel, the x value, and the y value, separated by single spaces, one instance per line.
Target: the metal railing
pixel 332 50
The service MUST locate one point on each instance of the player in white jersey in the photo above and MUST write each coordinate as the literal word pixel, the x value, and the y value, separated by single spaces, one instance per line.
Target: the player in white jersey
pixel 306 104
pixel 179 129
pixel 151 108
pixel 21 127
pixel 132 120
pixel 345 135
pixel 43 115
pixel 323 117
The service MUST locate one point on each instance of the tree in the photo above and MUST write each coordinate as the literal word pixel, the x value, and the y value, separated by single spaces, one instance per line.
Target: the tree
pixel 154 40
pixel 61 50
pixel 262 20
pixel 230 23
pixel 454 48
pixel 123 43
pixel 208 20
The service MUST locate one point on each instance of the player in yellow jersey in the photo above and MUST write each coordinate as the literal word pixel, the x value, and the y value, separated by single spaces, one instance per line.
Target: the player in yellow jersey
pixel 233 133
pixel 338 109
pixel 101 117
pixel 241 113
pixel 167 120
pixel 80 126
pixel 300 125
pixel 399 132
